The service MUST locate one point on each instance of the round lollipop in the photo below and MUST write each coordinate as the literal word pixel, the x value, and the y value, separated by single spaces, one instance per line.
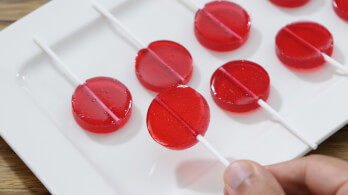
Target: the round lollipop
pixel 101 104
pixel 289 3
pixel 161 64
pixel 220 25
pixel 305 45
pixel 238 85
pixel 178 118
pixel 341 8
pixel 241 86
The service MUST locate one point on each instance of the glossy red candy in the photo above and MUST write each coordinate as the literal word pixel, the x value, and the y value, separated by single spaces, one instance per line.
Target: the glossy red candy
pixel 238 85
pixel 289 3
pixel 222 26
pixel 300 45
pixel 341 8
pixel 101 105
pixel 176 116
pixel 163 64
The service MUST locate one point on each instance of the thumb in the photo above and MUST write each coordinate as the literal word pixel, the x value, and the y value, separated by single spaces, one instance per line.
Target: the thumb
pixel 248 177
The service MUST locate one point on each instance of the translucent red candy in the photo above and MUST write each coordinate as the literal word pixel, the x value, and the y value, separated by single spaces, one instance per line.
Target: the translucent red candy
pixel 289 3
pixel 176 116
pixel 238 85
pixel 163 64
pixel 341 8
pixel 101 105
pixel 300 45
pixel 222 26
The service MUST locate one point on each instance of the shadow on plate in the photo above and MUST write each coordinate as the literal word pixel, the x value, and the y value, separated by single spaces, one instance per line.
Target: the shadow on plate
pixel 196 77
pixel 203 176
pixel 123 135
pixel 324 73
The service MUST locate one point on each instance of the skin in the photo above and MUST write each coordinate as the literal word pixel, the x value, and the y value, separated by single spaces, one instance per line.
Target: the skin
pixel 314 174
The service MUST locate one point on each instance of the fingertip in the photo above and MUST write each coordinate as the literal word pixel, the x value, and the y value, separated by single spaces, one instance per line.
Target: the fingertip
pixel 236 173
pixel 248 177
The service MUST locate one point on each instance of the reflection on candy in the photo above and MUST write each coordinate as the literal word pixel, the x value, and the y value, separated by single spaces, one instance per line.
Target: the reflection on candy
pixel 341 8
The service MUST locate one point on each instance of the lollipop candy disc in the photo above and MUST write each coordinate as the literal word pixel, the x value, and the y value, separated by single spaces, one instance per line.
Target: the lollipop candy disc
pixel 341 8
pixel 101 105
pixel 238 85
pixel 176 116
pixel 163 64
pixel 300 45
pixel 222 26
pixel 289 3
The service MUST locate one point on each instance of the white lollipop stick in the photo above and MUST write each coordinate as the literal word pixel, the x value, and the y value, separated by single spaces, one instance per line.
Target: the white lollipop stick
pixel 286 124
pixel 61 65
pixel 71 76
pixel 327 58
pixel 130 36
pixel 334 63
pixel 222 159
pixel 270 110
pixel 191 4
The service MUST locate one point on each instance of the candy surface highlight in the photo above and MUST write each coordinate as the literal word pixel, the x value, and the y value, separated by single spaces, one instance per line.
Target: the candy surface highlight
pixel 341 8
pixel 101 105
pixel 222 26
pixel 300 45
pixel 176 116
pixel 163 64
pixel 238 85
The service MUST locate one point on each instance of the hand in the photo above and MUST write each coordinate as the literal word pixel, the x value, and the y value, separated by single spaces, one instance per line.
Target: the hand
pixel 313 174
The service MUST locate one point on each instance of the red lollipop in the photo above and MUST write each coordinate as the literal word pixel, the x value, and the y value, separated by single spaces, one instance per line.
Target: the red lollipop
pixel 163 64
pixel 178 118
pixel 305 45
pixel 238 85
pixel 160 65
pixel 221 25
pixel 101 104
pixel 241 86
pixel 341 8
pixel 300 45
pixel 289 3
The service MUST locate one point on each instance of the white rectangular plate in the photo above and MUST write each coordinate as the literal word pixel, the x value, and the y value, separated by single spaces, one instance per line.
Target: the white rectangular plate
pixel 36 119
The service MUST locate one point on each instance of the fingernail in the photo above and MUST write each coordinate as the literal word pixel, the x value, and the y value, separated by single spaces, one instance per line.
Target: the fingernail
pixel 236 173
